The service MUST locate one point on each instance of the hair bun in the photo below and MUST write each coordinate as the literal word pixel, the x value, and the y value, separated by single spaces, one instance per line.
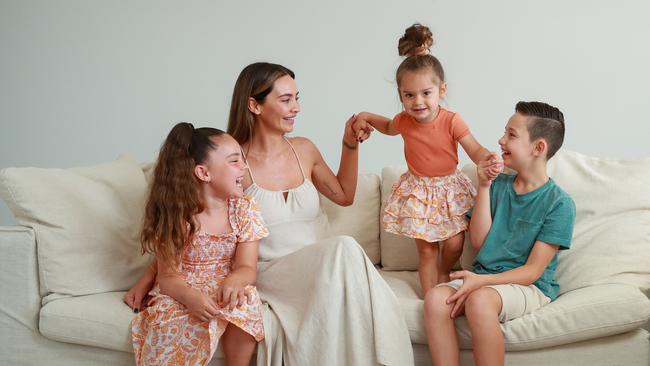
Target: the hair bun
pixel 417 40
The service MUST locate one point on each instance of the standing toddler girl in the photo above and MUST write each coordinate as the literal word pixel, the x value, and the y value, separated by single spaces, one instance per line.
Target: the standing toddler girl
pixel 430 200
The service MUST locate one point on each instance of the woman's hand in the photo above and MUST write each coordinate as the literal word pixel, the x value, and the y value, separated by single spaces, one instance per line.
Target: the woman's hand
pixel 471 282
pixel 232 293
pixel 362 129
pixel 201 306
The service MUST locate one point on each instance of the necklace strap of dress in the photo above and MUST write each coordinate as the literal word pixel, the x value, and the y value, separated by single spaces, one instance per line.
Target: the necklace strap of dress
pixel 297 158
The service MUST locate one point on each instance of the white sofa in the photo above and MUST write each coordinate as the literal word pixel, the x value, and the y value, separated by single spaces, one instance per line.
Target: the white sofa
pixel 64 270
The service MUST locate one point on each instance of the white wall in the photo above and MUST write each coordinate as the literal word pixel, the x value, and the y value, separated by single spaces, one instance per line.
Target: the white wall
pixel 83 81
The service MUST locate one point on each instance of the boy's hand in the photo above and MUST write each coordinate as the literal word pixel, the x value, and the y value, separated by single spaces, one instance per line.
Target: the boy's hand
pixel 201 306
pixel 471 282
pixel 488 169
pixel 232 293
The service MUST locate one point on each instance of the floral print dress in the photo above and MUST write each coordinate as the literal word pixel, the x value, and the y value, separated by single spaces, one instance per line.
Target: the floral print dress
pixel 165 333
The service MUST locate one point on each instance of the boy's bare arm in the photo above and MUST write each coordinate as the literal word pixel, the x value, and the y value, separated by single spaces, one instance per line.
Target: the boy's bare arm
pixel 538 260
pixel 481 221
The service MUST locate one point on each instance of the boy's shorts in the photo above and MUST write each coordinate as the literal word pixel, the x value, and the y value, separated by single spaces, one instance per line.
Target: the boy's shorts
pixel 517 300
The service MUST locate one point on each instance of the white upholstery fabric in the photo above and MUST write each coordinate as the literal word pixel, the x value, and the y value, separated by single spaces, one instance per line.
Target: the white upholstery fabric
pixel 398 253
pixel 611 238
pixel 361 219
pixel 86 220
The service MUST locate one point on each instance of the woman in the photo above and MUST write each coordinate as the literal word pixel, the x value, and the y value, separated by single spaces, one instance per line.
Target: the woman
pixel 325 302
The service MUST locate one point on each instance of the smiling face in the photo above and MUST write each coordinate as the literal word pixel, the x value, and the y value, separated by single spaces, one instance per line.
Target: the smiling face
pixel 516 148
pixel 279 109
pixel 420 95
pixel 223 170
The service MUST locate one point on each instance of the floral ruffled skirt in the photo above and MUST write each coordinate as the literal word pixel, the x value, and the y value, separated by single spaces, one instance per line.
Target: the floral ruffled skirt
pixel 429 208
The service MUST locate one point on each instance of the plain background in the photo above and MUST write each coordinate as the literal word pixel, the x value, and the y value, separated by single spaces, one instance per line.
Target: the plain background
pixel 84 81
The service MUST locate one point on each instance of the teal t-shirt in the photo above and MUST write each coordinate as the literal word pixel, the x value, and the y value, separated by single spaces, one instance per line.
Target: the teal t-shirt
pixel 518 221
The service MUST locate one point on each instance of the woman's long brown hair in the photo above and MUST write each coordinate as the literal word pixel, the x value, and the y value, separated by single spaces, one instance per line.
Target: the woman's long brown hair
pixel 174 196
pixel 255 81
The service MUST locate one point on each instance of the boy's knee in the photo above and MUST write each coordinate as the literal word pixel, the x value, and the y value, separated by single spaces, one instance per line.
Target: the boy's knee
pixel 435 302
pixel 482 303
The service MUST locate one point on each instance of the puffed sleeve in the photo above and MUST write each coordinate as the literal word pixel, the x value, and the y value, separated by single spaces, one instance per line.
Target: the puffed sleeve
pixel 249 220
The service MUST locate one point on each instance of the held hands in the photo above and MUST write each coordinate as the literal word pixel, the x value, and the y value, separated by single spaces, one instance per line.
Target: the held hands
pixel 362 129
pixel 471 282
pixel 488 169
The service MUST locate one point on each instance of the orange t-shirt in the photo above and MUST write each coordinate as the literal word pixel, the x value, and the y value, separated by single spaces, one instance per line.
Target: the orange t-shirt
pixel 431 149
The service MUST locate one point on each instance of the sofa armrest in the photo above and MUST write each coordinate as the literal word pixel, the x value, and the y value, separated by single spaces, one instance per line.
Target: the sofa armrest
pixel 20 302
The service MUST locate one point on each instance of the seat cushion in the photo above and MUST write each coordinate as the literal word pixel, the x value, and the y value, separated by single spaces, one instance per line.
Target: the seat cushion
pixel 577 315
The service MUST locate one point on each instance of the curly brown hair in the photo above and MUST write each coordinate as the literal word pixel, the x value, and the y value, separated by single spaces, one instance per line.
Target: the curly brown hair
pixel 415 44
pixel 174 195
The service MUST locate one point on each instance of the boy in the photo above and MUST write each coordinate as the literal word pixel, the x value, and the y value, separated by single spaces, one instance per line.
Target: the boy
pixel 518 224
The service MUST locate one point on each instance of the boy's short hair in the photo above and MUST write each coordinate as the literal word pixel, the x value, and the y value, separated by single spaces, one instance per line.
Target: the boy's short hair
pixel 547 123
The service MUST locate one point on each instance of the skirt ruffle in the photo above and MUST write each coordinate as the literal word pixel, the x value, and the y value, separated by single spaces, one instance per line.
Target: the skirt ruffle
pixel 429 208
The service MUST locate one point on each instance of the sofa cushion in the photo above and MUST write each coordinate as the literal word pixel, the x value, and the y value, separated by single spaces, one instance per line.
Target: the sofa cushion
pixel 100 320
pixel 86 221
pixel 581 314
pixel 359 220
pixel 611 237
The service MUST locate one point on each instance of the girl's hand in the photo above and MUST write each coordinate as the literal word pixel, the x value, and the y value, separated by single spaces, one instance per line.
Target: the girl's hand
pixel 201 306
pixel 488 169
pixel 232 293
pixel 137 298
pixel 471 282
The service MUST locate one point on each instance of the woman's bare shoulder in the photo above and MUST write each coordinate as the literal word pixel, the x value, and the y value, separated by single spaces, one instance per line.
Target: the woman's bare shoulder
pixel 304 146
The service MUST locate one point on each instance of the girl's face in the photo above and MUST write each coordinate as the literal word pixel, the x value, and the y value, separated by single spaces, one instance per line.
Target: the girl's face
pixel 223 172
pixel 420 95
pixel 279 109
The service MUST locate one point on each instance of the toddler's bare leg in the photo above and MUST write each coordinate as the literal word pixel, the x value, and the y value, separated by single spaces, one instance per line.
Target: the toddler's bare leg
pixel 451 251
pixel 428 264
pixel 441 331
pixel 482 310
pixel 238 346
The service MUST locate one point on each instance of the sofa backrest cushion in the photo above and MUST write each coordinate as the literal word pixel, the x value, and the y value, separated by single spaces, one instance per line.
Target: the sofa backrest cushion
pixel 361 219
pixel 86 221
pixel 611 236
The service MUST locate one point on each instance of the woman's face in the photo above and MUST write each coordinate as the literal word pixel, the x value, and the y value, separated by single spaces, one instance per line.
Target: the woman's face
pixel 279 109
